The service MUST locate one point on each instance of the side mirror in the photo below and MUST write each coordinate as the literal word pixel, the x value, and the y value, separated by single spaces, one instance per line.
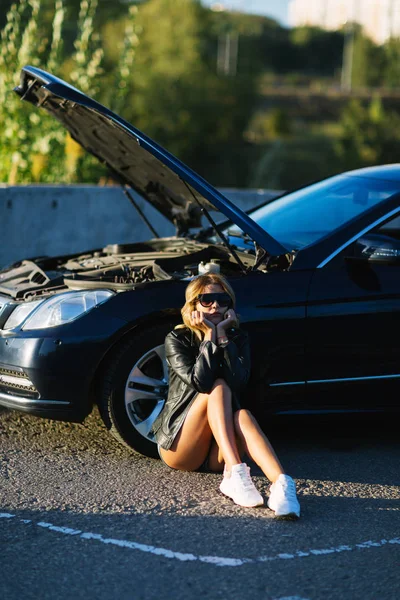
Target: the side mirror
pixel 376 248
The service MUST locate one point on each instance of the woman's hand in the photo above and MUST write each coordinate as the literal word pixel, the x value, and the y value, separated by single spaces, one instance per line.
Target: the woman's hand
pixel 230 319
pixel 197 319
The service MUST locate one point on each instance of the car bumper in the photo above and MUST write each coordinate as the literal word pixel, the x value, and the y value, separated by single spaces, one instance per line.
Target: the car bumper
pixel 47 377
pixel 50 408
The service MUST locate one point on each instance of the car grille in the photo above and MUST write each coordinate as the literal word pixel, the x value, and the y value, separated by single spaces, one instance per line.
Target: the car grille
pixel 17 383
pixel 13 382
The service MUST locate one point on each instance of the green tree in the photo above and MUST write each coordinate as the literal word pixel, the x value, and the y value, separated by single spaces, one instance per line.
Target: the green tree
pixel 368 61
pixel 369 135
pixel 168 86
pixel 269 125
pixel 178 97
pixel 317 51
pixel 391 73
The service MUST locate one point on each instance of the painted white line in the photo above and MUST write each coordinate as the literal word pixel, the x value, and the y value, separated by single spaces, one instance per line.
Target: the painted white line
pixel 219 561
pixel 291 598
pixel 66 530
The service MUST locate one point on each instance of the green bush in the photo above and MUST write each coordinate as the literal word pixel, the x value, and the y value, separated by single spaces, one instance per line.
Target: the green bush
pixel 35 148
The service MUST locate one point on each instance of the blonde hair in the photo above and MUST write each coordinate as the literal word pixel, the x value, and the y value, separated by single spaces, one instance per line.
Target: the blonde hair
pixel 196 287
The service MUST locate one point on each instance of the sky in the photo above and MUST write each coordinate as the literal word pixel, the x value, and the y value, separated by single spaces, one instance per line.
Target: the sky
pixel 277 9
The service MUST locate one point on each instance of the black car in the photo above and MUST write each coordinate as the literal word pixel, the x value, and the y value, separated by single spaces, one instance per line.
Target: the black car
pixel 316 273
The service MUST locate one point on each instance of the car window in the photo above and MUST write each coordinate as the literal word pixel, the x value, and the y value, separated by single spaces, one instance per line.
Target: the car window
pixel 390 228
pixel 307 215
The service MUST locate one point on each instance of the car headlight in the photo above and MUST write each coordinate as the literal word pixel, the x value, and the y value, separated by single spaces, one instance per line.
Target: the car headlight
pixel 20 313
pixel 56 310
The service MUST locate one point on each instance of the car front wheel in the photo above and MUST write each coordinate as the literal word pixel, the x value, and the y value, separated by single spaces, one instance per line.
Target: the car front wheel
pixel 135 388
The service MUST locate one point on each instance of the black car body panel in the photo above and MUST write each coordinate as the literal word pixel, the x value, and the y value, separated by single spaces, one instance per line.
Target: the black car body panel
pixel 315 272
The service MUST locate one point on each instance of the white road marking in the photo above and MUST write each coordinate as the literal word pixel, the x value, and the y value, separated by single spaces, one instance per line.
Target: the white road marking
pixel 291 598
pixel 219 561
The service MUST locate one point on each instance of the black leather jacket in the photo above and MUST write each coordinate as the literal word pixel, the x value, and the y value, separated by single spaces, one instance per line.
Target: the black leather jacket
pixel 193 368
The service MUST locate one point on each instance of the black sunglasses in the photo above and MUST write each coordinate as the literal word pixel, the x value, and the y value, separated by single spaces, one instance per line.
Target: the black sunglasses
pixel 207 300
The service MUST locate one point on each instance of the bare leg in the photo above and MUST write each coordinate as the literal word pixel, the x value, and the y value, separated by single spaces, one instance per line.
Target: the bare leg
pixel 192 444
pixel 210 416
pixel 220 418
pixel 216 460
pixel 256 444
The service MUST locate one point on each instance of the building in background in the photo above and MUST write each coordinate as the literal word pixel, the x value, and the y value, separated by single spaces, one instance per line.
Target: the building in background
pixel 380 19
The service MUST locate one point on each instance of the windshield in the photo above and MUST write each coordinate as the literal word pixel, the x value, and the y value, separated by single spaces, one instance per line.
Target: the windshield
pixel 307 215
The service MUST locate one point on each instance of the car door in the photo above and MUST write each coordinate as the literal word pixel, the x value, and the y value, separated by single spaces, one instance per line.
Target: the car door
pixel 353 334
pixel 272 309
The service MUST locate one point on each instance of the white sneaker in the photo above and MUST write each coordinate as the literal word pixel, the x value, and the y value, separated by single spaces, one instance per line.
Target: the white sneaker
pixel 283 500
pixel 240 487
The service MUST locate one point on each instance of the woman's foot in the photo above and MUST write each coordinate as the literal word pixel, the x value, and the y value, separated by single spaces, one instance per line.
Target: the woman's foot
pixel 238 485
pixel 283 499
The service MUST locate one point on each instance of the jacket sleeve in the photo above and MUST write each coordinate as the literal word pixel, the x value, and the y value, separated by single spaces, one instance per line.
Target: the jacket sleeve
pixel 236 362
pixel 199 372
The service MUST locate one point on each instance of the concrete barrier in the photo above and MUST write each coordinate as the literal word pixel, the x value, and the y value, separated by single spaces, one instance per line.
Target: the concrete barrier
pixel 39 220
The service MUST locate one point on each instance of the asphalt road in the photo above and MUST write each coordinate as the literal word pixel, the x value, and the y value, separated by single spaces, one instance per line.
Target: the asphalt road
pixel 81 517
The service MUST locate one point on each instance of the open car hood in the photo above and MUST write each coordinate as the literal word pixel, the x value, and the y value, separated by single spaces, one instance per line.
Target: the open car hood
pixel 165 182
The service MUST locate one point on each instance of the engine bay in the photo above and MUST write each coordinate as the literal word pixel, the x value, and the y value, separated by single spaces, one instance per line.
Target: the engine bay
pixel 118 266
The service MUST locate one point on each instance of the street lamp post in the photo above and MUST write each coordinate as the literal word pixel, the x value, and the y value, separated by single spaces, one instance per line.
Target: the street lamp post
pixel 228 47
pixel 227 53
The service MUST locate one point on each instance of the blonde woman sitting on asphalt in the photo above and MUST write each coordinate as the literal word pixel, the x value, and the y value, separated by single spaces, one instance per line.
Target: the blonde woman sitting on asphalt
pixel 203 425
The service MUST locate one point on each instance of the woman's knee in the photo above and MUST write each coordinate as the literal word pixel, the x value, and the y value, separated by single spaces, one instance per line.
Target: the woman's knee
pixel 199 407
pixel 243 417
pixel 220 384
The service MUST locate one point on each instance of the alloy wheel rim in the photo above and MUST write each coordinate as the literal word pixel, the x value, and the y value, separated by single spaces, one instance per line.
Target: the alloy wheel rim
pixel 146 390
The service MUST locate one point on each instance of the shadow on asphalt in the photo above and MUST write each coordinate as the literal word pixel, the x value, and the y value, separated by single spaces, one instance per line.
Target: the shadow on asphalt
pixel 358 448
pixel 336 431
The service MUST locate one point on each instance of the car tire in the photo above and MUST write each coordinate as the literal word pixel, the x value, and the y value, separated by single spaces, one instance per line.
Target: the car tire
pixel 135 387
